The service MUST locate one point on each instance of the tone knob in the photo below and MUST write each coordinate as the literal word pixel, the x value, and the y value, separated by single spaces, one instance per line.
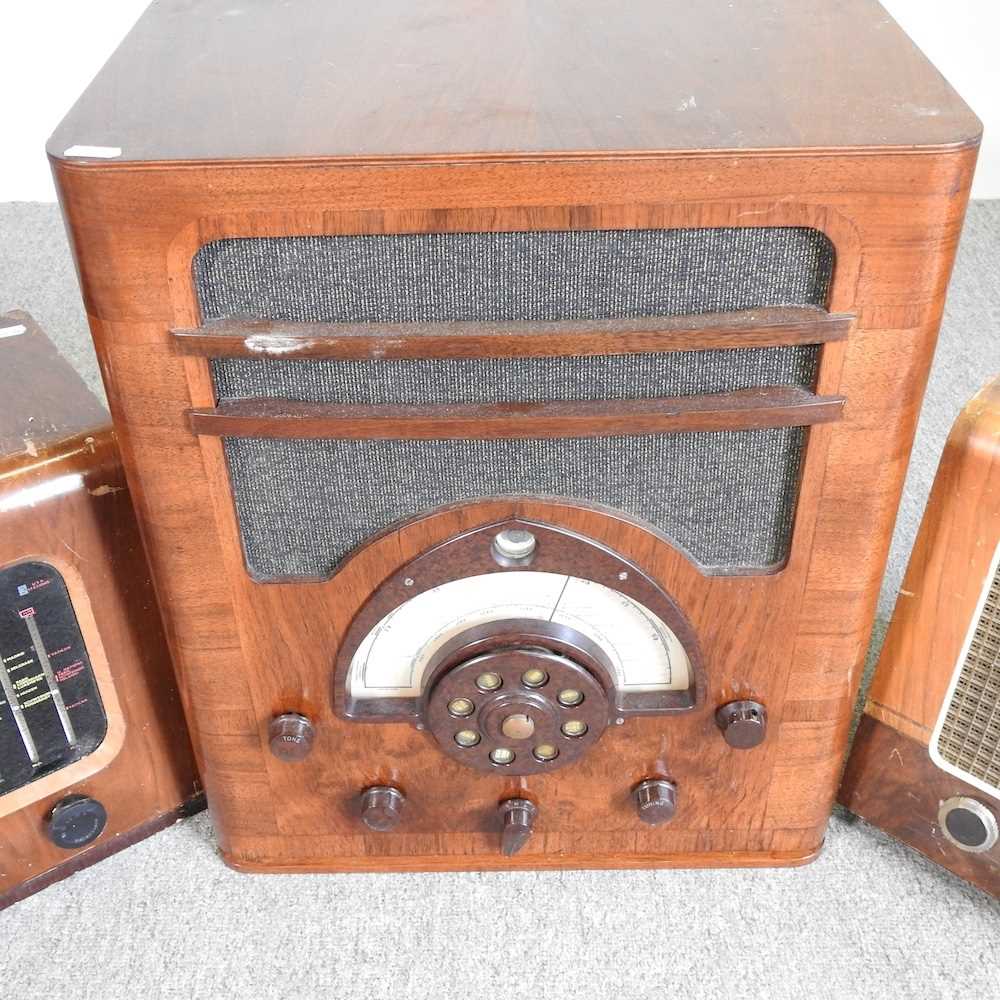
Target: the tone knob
pixel 290 736
pixel 655 800
pixel 382 807
pixel 743 723
pixel 518 817
pixel 75 821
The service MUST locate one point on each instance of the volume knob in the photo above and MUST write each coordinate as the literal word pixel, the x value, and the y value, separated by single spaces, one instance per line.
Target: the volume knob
pixel 655 800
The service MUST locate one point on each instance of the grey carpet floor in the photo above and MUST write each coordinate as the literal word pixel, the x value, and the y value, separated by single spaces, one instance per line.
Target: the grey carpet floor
pixel 869 919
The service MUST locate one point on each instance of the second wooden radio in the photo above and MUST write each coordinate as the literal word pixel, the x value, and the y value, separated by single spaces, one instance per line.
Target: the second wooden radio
pixel 925 765
pixel 94 754
pixel 517 402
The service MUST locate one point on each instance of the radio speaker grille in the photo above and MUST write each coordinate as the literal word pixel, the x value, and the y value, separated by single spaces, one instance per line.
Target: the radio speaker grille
pixel 527 380
pixel 727 498
pixel 969 736
pixel 577 274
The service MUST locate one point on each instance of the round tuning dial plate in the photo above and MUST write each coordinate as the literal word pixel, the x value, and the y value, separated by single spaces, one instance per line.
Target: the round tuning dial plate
pixel 517 726
pixel 75 821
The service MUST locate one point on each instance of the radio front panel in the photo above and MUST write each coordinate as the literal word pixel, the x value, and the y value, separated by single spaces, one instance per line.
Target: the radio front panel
pixel 518 508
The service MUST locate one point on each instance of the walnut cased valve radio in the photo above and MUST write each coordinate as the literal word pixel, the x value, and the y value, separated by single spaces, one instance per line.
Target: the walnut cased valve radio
pixel 94 753
pixel 516 452
pixel 925 765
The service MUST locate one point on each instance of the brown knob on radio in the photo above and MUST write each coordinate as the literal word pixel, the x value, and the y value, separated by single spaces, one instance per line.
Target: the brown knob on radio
pixel 655 800
pixel 382 807
pixel 518 817
pixel 290 736
pixel 743 723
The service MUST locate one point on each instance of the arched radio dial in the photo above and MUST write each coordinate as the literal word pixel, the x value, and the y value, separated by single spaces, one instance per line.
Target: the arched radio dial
pixel 515 646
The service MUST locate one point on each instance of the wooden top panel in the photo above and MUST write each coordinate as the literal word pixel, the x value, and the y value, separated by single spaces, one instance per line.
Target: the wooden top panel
pixel 254 79
pixel 44 400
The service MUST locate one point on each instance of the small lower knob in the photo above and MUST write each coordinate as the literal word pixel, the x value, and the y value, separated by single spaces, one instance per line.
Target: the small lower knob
pixel 382 807
pixel 75 821
pixel 655 800
pixel 969 824
pixel 743 723
pixel 518 817
pixel 290 736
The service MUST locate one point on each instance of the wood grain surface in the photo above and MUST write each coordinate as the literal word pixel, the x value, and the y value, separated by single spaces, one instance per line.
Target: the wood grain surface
pixel 891 780
pixel 773 406
pixel 220 79
pixel 143 772
pixel 793 639
pixel 891 783
pixel 248 338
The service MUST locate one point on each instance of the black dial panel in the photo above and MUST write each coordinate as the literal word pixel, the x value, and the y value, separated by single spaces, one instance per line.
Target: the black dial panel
pixel 50 708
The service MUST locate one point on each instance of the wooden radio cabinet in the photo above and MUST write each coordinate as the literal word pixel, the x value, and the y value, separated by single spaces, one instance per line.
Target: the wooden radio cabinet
pixel 925 764
pixel 516 400
pixel 94 753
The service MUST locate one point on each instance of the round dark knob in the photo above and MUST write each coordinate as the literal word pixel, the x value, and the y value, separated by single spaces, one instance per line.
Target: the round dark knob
pixel 382 807
pixel 969 824
pixel 290 736
pixel 743 723
pixel 655 800
pixel 518 817
pixel 75 821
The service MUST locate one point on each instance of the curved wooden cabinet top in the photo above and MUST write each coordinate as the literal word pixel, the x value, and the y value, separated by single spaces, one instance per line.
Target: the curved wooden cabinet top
pixel 448 78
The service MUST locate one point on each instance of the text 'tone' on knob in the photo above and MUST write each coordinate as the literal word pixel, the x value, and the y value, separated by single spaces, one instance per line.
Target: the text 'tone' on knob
pixel 290 736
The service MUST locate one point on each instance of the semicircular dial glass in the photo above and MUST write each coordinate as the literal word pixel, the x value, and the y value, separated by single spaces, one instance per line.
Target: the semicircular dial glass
pixel 392 660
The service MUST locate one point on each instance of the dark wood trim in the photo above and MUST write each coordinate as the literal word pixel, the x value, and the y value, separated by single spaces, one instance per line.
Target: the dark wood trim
pixel 892 783
pixel 108 846
pixel 263 339
pixel 773 406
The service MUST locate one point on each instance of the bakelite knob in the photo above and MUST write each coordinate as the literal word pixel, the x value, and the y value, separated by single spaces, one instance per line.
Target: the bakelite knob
pixel 655 800
pixel 382 807
pixel 75 821
pixel 290 736
pixel 518 817
pixel 743 723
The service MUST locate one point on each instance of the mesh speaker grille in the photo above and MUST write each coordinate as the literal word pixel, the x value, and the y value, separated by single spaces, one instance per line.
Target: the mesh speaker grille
pixel 969 737
pixel 578 274
pixel 497 380
pixel 727 498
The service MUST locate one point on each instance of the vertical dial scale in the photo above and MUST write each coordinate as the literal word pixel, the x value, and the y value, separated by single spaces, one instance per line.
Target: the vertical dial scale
pixel 50 708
